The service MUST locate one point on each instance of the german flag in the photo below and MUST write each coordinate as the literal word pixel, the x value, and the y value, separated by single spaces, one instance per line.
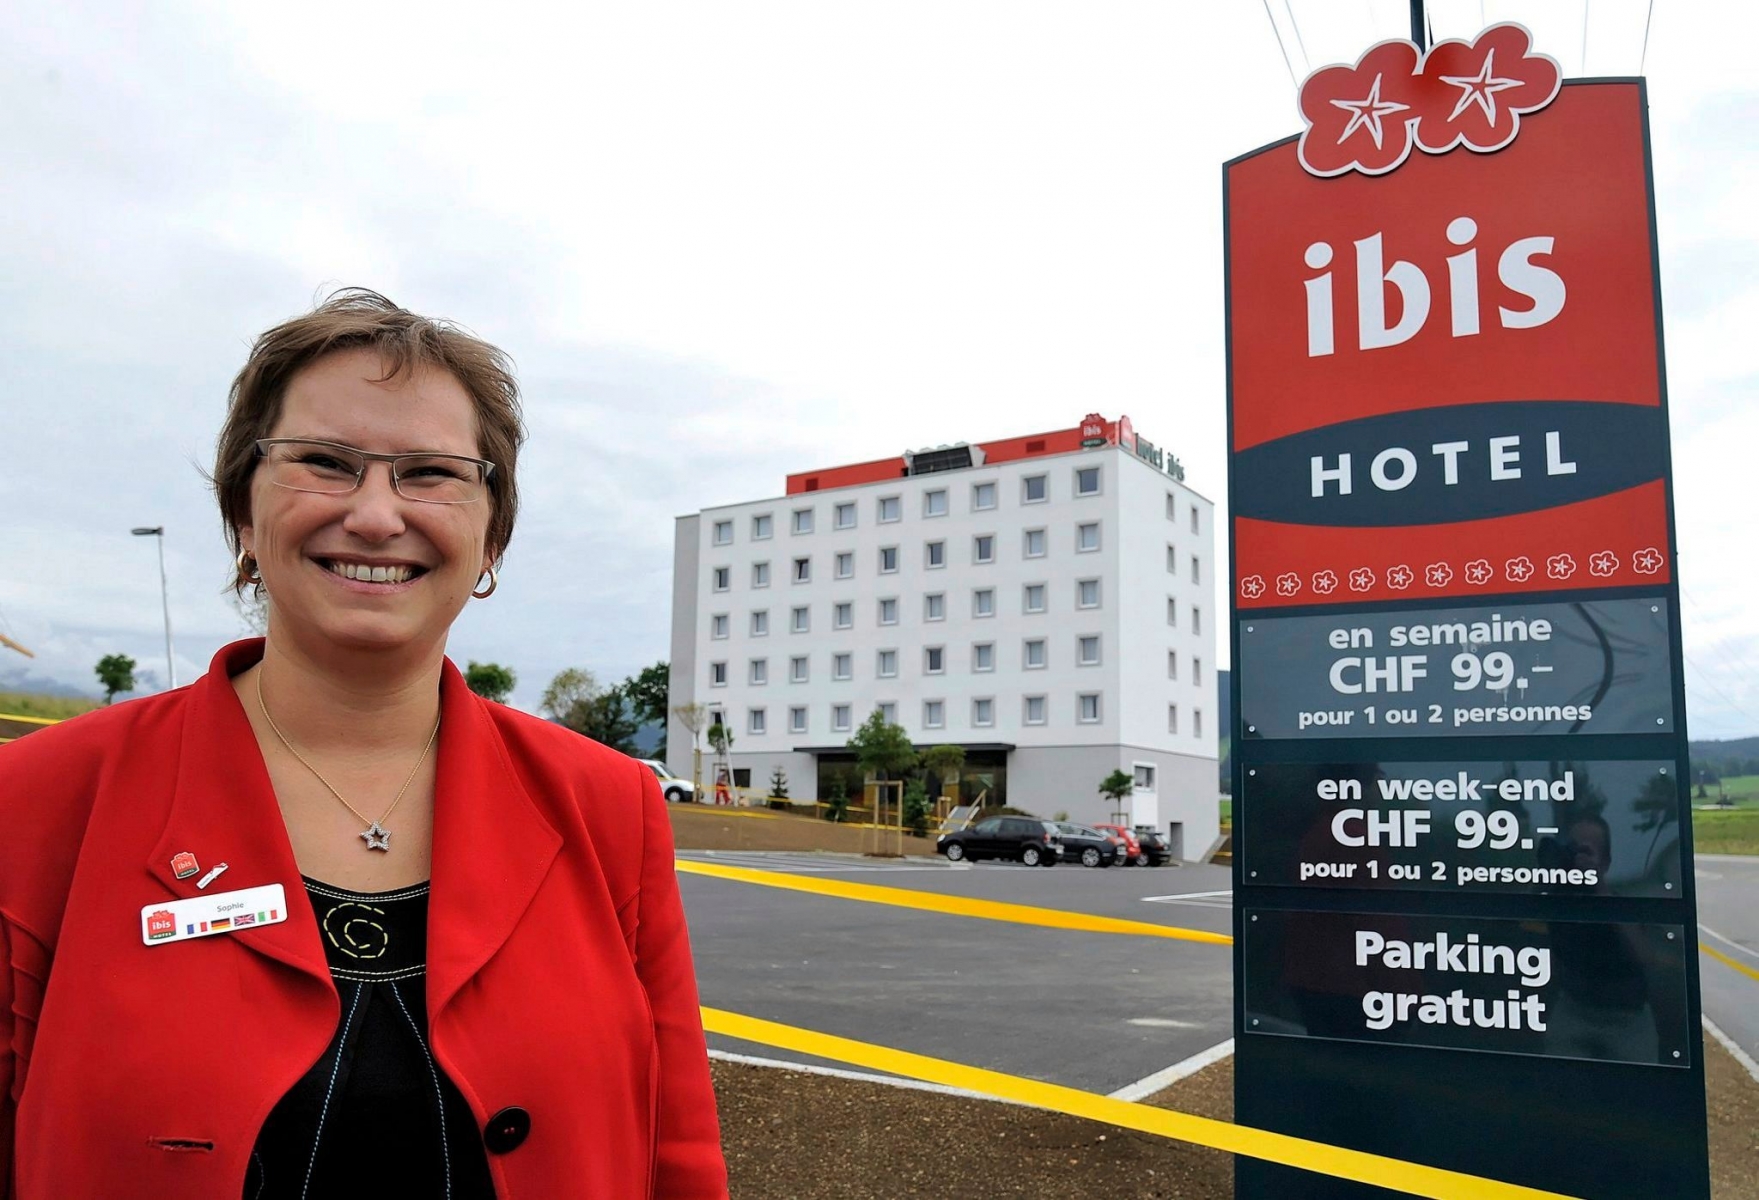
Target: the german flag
pixel 218 926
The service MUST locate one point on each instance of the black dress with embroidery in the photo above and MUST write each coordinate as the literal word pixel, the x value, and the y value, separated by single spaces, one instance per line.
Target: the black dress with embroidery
pixel 375 1117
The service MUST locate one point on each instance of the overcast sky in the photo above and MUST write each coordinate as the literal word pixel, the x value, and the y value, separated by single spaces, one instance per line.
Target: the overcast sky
pixel 723 242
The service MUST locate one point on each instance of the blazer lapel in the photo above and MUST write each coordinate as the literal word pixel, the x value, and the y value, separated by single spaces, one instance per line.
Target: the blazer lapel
pixel 223 809
pixel 492 845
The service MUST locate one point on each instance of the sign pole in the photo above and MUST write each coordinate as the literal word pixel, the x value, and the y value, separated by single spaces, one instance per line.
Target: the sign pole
pixel 1417 25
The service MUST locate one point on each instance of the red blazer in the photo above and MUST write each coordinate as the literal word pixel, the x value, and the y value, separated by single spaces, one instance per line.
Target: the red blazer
pixel 559 970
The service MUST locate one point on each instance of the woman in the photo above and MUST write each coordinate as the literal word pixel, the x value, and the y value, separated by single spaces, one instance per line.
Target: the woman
pixel 324 923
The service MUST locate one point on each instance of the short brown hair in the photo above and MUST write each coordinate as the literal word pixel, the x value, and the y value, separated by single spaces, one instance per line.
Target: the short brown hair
pixel 349 319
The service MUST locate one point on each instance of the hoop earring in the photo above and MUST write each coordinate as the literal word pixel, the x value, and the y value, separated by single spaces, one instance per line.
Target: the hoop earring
pixel 494 582
pixel 248 575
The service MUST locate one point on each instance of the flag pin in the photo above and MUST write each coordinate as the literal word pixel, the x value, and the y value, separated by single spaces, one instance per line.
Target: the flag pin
pixel 183 865
pixel 212 875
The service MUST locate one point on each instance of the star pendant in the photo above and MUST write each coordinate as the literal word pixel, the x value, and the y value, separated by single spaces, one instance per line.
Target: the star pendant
pixel 377 837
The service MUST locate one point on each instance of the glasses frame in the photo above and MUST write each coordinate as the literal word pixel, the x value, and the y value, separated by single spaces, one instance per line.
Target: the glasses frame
pixel 263 445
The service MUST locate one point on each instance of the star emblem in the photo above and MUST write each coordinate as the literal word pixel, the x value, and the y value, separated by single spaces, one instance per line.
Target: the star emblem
pixel 1367 112
pixel 1603 563
pixel 1478 572
pixel 1519 569
pixel 1361 579
pixel 1479 89
pixel 1400 577
pixel 1647 560
pixel 377 837
pixel 1252 587
pixel 1438 575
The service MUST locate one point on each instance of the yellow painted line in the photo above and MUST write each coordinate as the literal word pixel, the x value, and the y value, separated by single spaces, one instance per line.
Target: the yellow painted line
pixel 709 810
pixel 958 906
pixel 1411 1178
pixel 1726 961
pixel 32 720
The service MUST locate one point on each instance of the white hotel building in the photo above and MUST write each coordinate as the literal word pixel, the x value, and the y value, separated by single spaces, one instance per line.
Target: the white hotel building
pixel 1045 602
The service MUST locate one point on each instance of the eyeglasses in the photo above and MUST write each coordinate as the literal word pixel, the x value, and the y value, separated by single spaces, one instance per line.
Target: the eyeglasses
pixel 330 468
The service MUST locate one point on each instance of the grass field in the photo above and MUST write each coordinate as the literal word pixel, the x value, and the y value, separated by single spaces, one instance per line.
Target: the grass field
pixel 27 704
pixel 1742 789
pixel 1734 831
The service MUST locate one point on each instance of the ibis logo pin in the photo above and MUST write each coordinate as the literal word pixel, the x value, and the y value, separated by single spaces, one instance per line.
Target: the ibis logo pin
pixel 183 865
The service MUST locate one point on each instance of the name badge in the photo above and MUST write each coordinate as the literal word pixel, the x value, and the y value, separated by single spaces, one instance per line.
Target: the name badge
pixel 223 912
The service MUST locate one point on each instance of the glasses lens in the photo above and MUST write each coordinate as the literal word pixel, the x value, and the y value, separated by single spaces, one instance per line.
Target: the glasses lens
pixel 314 467
pixel 439 479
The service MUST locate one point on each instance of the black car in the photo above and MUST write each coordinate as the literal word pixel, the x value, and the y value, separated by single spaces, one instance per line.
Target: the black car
pixel 1154 846
pixel 1088 846
pixel 1024 839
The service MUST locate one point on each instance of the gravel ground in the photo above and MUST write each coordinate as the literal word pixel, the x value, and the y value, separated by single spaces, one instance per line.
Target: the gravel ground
pixel 812 1137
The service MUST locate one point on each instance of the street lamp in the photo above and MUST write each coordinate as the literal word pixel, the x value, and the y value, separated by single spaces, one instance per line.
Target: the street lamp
pixel 158 531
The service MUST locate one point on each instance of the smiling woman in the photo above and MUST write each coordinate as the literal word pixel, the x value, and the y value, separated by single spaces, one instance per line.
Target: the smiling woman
pixel 435 966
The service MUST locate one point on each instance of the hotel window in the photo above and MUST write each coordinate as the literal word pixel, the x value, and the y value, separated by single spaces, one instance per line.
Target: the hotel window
pixel 1033 713
pixel 888 610
pixel 754 720
pixel 722 579
pixel 888 712
pixel 934 606
pixel 1087 650
pixel 761 527
pixel 891 508
pixel 1087 537
pixel 983 495
pixel 1197 722
pixel 760 623
pixel 840 718
pixel 803 520
pixel 983 712
pixel 934 503
pixel 760 574
pixel 759 673
pixel 1087 707
pixel 934 714
pixel 800 620
pixel 1087 481
pixel 1172 559
pixel 1197 671
pixel 1033 544
pixel 797 720
pixel 716 717
pixel 845 564
pixel 717 674
pixel 797 668
pixel 1087 593
pixel 934 660
pixel 1172 507
pixel 1172 664
pixel 843 515
pixel 843 614
pixel 1172 718
pixel 1196 619
pixel 983 602
pixel 803 570
pixel 718 625
pixel 886 666
pixel 1032 654
pixel 1144 773
pixel 888 559
pixel 1196 569
pixel 843 666
pixel 1193 518
pixel 983 656
pixel 1034 597
pixel 1035 489
pixel 934 554
pixel 1172 612
pixel 723 533
pixel 983 548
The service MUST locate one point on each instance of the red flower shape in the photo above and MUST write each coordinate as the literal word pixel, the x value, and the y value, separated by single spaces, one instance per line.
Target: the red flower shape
pixel 1288 584
pixel 1357 117
pixel 1648 560
pixel 1438 575
pixel 1473 94
pixel 1520 569
pixel 1603 563
pixel 1400 577
pixel 1325 583
pixel 1252 587
pixel 1560 566
pixel 1479 571
pixel 1361 579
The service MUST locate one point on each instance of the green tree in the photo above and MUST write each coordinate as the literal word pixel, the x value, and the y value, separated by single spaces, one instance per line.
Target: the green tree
pixel 837 803
pixel 116 673
pixel 882 747
pixel 720 738
pixel 1117 786
pixel 944 762
pixel 605 718
pixel 567 689
pixel 491 681
pixel 647 691
pixel 916 806
pixel 779 783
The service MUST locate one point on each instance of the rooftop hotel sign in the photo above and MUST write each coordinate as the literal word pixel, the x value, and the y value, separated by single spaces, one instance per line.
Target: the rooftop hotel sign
pixel 1459 740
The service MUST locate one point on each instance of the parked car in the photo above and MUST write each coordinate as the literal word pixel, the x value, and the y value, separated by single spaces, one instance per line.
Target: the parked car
pixel 1025 839
pixel 1088 846
pixel 671 786
pixel 1133 852
pixel 1154 845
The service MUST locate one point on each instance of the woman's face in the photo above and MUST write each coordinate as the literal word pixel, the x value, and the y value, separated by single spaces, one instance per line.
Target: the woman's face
pixel 301 540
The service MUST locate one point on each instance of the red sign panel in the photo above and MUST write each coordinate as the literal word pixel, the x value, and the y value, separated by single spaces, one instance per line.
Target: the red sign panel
pixel 1443 364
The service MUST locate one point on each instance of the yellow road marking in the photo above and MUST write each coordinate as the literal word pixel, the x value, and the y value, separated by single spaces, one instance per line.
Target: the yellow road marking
pixel 1726 961
pixel 724 810
pixel 1412 1178
pixel 958 906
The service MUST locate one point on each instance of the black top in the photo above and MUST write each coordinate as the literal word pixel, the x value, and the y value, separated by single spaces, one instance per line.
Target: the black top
pixel 375 1116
